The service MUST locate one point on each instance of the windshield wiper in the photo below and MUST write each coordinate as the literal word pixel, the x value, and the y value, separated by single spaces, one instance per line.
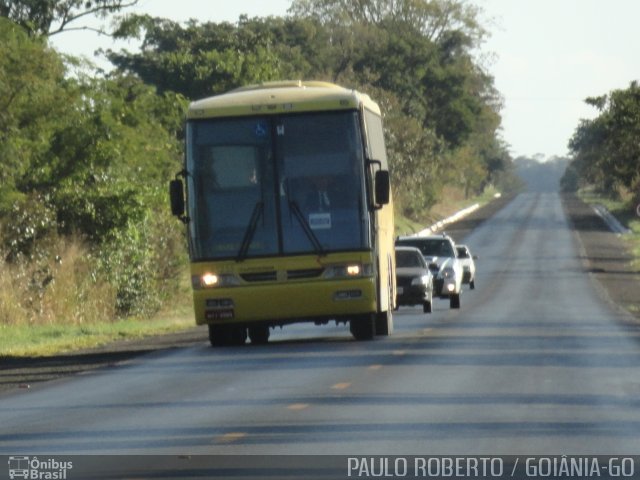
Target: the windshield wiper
pixel 293 206
pixel 250 231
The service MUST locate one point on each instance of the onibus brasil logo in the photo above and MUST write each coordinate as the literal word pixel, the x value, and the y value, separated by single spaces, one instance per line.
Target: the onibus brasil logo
pixel 37 469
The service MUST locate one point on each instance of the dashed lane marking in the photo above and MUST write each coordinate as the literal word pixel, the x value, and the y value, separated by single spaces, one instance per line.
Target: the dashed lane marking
pixel 230 437
pixel 341 386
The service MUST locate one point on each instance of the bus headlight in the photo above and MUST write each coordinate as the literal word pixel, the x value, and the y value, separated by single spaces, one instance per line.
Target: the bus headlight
pixel 353 270
pixel 212 280
pixel 349 270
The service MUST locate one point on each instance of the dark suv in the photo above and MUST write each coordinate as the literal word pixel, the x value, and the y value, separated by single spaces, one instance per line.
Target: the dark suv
pixel 414 281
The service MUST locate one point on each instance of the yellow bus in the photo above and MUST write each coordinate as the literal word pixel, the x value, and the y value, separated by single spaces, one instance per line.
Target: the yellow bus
pixel 286 197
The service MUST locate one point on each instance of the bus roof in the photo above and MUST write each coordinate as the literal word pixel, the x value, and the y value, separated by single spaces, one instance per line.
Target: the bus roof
pixel 272 98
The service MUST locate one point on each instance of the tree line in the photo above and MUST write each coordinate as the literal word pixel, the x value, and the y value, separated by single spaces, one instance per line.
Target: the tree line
pixel 82 189
pixel 86 155
pixel 606 150
pixel 416 58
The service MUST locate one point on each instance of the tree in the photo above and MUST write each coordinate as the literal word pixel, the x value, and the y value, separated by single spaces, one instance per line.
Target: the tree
pixel 87 158
pixel 198 60
pixel 606 149
pixel 416 156
pixel 33 98
pixel 413 56
pixel 419 49
pixel 432 19
pixel 51 17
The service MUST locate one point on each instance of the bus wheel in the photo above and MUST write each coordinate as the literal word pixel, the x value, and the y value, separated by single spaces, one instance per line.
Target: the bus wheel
pixel 237 335
pixel 363 327
pixel 259 335
pixel 217 336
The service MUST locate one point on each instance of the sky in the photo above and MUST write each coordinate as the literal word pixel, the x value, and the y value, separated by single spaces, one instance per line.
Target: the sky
pixel 546 57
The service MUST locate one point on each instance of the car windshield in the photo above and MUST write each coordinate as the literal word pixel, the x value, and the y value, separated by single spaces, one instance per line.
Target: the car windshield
pixel 430 247
pixel 409 259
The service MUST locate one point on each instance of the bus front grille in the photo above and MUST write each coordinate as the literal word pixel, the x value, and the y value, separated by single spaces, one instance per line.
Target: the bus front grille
pixel 260 276
pixel 305 273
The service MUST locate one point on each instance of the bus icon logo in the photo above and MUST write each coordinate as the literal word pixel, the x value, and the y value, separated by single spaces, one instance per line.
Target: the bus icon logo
pixel 18 467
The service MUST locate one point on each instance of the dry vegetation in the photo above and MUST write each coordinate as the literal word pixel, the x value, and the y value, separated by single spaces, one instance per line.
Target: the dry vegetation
pixel 64 289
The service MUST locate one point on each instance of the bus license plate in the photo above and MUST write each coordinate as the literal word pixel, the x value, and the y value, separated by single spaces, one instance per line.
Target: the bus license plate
pixel 219 315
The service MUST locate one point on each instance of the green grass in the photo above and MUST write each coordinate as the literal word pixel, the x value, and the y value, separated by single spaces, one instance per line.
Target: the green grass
pixel 593 198
pixel 74 311
pixel 625 215
pixel 42 340
pixel 406 226
pixel 634 240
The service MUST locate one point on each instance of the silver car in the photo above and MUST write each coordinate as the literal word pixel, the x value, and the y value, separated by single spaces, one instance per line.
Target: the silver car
pixel 440 254
pixel 468 265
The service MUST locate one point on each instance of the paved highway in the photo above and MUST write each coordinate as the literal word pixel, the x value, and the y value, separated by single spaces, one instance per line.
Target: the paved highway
pixel 535 362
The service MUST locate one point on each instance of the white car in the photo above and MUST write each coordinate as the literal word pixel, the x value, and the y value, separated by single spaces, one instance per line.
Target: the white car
pixel 468 265
pixel 439 251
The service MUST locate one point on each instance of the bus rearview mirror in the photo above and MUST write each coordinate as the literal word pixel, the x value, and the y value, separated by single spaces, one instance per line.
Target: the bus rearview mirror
pixel 176 194
pixel 382 187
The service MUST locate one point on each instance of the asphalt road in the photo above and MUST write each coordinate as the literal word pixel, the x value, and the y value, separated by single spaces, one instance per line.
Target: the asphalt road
pixel 536 361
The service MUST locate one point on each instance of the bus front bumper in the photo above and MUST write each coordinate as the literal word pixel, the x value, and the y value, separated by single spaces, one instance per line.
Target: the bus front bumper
pixel 278 304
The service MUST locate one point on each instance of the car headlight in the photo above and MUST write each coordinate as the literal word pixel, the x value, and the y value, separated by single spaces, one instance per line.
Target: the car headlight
pixel 448 273
pixel 213 280
pixel 423 280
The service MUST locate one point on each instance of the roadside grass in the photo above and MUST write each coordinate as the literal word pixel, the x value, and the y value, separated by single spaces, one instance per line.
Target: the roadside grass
pixel 22 340
pixel 634 225
pixel 406 226
pixel 453 200
pixel 625 214
pixel 454 203
pixel 57 305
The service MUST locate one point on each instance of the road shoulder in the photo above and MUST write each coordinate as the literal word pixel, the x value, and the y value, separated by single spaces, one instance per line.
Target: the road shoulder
pixel 605 256
pixel 21 373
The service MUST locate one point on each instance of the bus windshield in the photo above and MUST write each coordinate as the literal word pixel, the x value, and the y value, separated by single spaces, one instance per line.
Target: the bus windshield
pixel 267 186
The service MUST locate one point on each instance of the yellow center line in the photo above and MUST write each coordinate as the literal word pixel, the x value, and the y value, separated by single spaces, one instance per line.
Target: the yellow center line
pixel 298 406
pixel 230 437
pixel 399 352
pixel 341 386
pixel 375 367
